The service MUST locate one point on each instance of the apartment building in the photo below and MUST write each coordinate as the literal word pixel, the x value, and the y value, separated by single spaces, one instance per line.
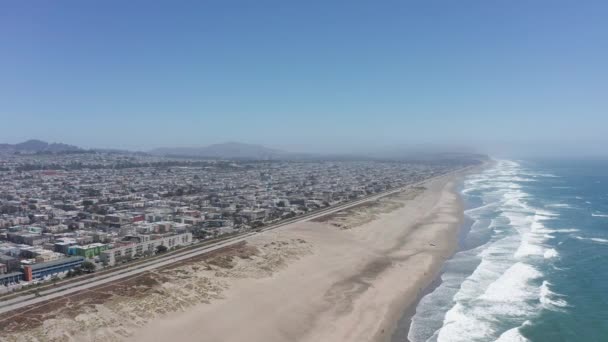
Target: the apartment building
pixel 144 247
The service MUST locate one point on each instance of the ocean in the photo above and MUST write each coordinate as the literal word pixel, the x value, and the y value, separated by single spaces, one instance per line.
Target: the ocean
pixel 533 260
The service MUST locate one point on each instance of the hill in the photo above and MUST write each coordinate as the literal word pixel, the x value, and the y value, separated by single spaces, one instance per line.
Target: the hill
pixel 229 150
pixel 38 146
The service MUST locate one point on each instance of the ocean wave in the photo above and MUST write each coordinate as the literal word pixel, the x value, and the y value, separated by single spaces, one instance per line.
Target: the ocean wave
pixel 548 214
pixel 548 230
pixel 529 247
pixel 513 178
pixel 430 312
pixel 471 211
pixel 599 215
pixel 494 262
pixel 592 239
pixel 529 173
pixel 549 299
pixel 505 281
pixel 531 229
pixel 546 175
pixel 468 190
pixel 512 335
pixel 550 253
pixel 461 325
pixel 512 287
pixel 509 295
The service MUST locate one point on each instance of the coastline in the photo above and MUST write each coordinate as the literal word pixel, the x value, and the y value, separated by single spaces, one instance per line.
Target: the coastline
pixel 401 319
pixel 347 276
pixel 402 325
pixel 353 277
pixel 402 328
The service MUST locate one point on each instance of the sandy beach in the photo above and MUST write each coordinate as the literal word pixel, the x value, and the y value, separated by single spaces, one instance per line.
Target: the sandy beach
pixel 363 269
pixel 345 277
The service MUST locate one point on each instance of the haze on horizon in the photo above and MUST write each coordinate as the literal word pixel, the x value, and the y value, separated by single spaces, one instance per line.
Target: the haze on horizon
pixel 511 78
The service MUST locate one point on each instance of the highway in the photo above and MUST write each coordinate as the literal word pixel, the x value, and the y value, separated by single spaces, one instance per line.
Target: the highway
pixel 71 287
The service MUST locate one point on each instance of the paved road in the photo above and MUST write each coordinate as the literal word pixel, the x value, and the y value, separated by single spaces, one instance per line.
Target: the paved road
pixel 59 291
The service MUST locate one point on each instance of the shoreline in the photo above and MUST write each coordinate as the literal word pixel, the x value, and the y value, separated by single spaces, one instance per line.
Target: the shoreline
pixel 348 294
pixel 402 328
pixel 402 321
pixel 347 276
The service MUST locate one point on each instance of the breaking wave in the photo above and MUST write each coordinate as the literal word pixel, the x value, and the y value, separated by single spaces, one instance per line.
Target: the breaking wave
pixel 592 239
pixel 500 278
pixel 549 299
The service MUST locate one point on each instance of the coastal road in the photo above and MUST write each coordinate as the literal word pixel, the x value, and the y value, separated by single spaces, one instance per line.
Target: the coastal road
pixel 28 299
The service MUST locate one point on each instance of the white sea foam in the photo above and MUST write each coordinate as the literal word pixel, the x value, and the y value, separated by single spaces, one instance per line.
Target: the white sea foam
pixel 559 205
pixel 599 215
pixel 529 247
pixel 551 253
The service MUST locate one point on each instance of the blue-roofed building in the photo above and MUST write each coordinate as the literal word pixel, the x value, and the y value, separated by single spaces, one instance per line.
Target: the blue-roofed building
pixel 11 278
pixel 45 269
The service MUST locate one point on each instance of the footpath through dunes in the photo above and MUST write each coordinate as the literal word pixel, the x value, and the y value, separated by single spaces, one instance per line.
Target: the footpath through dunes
pixel 347 276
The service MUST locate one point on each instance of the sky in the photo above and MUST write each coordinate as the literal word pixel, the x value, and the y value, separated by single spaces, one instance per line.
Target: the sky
pixel 307 76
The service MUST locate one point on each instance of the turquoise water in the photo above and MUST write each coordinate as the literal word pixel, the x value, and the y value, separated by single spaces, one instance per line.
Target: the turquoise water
pixel 534 264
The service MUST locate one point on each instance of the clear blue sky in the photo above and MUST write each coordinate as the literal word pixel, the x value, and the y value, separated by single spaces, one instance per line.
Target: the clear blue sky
pixel 305 75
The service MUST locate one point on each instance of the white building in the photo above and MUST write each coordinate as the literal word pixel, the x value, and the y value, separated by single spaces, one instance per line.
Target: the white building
pixel 110 256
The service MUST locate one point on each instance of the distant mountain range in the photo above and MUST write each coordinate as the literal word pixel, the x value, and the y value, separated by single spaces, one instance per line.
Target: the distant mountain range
pixel 229 150
pixel 241 151
pixel 38 146
pixel 234 150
